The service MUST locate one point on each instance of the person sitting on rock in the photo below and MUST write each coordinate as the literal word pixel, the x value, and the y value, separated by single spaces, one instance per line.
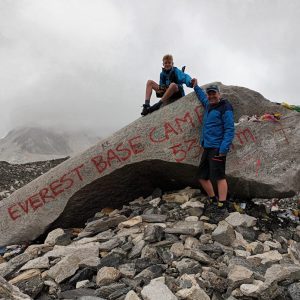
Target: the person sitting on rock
pixel 216 138
pixel 170 85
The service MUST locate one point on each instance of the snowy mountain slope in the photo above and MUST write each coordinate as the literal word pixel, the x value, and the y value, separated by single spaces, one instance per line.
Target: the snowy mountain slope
pixel 28 144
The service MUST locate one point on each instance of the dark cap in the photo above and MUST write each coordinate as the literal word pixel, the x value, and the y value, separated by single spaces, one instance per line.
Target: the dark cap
pixel 212 88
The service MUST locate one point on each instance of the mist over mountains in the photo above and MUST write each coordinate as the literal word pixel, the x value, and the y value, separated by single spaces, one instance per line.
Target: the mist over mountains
pixel 29 144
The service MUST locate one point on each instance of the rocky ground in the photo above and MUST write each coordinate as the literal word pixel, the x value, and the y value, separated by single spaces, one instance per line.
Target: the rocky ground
pixel 162 247
pixel 14 176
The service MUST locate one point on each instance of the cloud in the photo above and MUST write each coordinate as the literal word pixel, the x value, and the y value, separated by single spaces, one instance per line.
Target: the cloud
pixel 84 64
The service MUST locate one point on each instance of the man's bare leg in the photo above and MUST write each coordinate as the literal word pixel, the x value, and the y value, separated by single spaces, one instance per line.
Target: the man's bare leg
pixel 172 89
pixel 206 184
pixel 222 189
pixel 151 85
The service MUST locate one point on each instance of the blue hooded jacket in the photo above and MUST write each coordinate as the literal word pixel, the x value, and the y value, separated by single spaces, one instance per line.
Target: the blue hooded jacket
pixel 218 123
pixel 177 76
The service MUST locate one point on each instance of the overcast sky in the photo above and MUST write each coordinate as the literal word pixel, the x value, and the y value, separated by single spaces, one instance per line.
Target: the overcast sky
pixel 84 64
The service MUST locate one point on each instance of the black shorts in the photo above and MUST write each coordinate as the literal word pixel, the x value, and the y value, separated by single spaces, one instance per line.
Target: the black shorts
pixel 212 166
pixel 174 97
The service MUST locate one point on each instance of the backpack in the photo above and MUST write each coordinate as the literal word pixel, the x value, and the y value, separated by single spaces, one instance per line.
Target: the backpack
pixel 172 78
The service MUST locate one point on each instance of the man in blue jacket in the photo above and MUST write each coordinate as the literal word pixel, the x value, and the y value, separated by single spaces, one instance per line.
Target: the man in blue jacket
pixel 216 138
pixel 169 88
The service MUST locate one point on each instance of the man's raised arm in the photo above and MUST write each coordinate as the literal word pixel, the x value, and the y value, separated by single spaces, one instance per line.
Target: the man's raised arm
pixel 200 93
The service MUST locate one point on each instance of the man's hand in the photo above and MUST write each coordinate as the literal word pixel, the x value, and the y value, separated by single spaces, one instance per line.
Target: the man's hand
pixel 220 155
pixel 194 82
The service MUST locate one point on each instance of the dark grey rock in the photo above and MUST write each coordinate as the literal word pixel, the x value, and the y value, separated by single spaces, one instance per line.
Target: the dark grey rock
pixel 166 255
pixel 111 260
pixel 186 228
pixel 258 268
pixel 195 211
pixel 135 283
pixel 58 236
pixel 44 296
pixel 64 239
pixel 153 218
pixel 217 283
pixel 127 246
pixel 214 215
pixel 167 206
pixel 149 251
pixel 184 283
pixel 286 233
pixel 76 293
pixel 8 268
pixel 157 193
pixel 210 248
pixel 170 282
pixel 224 233
pixel 143 263
pixel 136 211
pixel 110 244
pixel 152 272
pixel 294 291
pixel 107 290
pixel 296 237
pixel 29 282
pixel 104 224
pixel 248 233
pixel 84 274
pixel 119 294
pixel 258 249
pixel 177 214
pixel 66 286
pixel 150 211
pixel 198 255
pixel 188 266
pixel 171 237
pixel 137 249
pixel 140 202
pixel 9 291
pixel 153 233
pixel 172 272
pixel 127 270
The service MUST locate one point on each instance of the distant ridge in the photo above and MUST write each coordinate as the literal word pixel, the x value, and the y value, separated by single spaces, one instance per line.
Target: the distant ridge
pixel 29 144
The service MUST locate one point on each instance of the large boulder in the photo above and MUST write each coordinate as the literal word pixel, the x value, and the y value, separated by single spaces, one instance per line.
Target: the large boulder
pixel 159 150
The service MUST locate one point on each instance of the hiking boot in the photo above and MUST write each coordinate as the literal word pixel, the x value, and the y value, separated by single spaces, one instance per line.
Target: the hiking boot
pixel 217 212
pixel 212 200
pixel 145 110
pixel 223 204
pixel 155 107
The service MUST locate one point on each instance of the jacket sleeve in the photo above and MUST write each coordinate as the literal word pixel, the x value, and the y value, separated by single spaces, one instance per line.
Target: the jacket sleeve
pixel 201 96
pixel 228 130
pixel 162 79
pixel 184 78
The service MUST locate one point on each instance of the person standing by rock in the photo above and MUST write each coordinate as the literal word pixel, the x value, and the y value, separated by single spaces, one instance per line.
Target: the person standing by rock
pixel 216 138
pixel 169 88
